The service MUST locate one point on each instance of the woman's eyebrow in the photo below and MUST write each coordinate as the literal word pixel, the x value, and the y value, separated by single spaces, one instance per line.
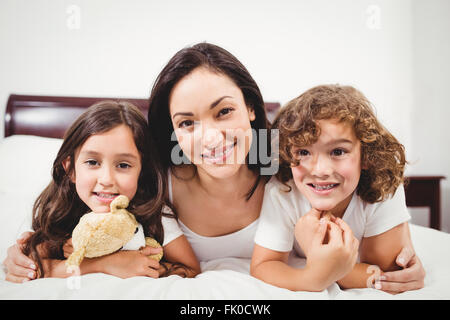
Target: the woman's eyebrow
pixel 212 105
pixel 215 103
pixel 189 114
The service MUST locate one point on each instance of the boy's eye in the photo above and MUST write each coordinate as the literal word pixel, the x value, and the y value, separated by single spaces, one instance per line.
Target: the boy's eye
pixel 91 162
pixel 224 112
pixel 338 152
pixel 302 153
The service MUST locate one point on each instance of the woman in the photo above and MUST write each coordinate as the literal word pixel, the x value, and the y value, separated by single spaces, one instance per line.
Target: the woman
pixel 204 103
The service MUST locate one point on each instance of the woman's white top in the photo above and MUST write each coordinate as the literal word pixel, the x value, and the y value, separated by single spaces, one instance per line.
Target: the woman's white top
pixel 281 211
pixel 238 244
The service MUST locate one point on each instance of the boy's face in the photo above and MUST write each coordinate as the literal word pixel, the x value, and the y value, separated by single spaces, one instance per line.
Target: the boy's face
pixel 329 170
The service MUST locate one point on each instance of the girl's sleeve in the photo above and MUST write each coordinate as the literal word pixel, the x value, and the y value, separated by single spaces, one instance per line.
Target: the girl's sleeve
pixel 388 214
pixel 277 219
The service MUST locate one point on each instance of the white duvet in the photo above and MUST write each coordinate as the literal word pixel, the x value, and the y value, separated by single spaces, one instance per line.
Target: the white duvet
pixel 25 164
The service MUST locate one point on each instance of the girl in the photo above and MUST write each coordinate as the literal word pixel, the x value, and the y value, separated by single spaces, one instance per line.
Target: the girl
pixel 337 162
pixel 106 152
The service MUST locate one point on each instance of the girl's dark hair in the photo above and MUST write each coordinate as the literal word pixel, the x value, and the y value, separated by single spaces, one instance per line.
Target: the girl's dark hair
pixel 183 63
pixel 58 208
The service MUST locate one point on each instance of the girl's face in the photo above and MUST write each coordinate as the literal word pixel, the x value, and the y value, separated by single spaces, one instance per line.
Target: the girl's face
pixel 329 170
pixel 211 122
pixel 107 165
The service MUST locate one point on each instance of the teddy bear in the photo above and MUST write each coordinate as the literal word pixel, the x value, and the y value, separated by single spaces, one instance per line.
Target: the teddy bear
pixel 98 234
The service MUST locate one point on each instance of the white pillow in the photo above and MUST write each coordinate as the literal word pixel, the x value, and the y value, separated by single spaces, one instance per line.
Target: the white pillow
pixel 26 162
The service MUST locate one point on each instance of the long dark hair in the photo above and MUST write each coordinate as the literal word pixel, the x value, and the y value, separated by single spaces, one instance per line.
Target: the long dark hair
pixel 184 62
pixel 58 208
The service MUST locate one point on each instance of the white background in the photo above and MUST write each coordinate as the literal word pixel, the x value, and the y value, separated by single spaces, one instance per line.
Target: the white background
pixel 396 52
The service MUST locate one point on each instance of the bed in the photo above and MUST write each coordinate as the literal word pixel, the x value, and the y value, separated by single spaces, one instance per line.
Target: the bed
pixel 34 126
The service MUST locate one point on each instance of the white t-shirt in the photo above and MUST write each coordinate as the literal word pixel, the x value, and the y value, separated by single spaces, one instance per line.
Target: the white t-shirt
pixel 281 211
pixel 170 226
pixel 238 244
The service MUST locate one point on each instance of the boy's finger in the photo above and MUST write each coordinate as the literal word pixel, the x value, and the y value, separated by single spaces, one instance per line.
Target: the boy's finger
pixel 321 231
pixel 335 234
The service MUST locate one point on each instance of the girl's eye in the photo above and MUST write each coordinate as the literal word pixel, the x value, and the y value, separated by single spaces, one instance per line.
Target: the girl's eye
pixel 338 152
pixel 124 166
pixel 185 124
pixel 224 112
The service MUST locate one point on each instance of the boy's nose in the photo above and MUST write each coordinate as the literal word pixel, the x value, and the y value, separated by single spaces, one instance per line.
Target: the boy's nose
pixel 321 167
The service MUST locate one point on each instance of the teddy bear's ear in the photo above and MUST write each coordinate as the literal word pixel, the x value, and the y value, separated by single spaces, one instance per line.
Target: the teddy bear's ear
pixel 66 166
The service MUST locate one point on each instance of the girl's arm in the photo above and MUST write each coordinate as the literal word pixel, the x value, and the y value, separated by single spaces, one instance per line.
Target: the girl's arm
pixel 122 264
pixel 378 255
pixel 181 259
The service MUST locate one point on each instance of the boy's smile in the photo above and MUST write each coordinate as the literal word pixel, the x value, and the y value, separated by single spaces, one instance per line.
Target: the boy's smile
pixel 329 170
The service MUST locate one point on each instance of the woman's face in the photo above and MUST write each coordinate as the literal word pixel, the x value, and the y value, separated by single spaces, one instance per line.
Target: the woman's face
pixel 211 122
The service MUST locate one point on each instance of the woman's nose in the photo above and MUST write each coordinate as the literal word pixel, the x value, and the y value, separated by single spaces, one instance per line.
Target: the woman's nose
pixel 212 137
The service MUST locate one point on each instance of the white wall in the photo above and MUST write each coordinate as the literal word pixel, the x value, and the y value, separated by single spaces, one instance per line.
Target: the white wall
pixel 288 46
pixel 431 107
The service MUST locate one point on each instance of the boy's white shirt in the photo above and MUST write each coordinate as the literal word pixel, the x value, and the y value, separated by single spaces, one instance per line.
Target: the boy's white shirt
pixel 281 211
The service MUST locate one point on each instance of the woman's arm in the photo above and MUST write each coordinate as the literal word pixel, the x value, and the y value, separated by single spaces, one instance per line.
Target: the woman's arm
pixel 181 259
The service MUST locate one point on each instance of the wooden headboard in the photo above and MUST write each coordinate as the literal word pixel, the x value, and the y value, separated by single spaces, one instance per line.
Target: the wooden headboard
pixel 50 116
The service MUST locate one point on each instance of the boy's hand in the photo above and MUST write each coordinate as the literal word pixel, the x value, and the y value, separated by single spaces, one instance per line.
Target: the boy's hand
pixel 305 229
pixel 335 259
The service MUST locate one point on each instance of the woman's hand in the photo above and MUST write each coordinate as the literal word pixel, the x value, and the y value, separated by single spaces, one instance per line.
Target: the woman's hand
pixel 411 277
pixel 333 260
pixel 20 268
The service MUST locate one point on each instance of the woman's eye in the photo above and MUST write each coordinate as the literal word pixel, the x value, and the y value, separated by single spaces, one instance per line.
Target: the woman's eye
pixel 185 123
pixel 224 112
pixel 338 152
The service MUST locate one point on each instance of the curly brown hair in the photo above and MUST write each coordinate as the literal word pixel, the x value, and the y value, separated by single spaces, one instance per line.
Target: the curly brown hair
pixel 382 156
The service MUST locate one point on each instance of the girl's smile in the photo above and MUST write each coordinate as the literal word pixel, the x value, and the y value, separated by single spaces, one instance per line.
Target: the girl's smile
pixel 329 169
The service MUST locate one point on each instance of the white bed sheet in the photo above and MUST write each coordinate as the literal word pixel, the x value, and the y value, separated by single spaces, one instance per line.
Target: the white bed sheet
pixel 25 164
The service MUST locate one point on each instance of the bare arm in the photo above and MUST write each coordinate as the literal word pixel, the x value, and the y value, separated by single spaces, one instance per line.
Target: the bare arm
pixel 325 263
pixel 380 252
pixel 271 267
pixel 181 259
